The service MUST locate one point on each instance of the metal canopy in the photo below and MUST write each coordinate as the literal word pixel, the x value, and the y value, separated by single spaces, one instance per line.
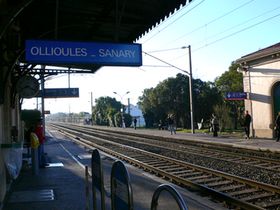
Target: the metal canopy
pixel 122 21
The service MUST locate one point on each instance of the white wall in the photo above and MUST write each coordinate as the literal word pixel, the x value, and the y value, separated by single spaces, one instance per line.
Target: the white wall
pixel 259 81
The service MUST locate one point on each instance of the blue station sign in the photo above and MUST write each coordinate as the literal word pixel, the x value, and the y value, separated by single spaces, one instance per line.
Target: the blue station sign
pixel 59 93
pixel 236 96
pixel 62 52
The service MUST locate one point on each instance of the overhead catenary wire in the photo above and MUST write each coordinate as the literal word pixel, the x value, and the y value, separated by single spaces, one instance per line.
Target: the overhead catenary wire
pixel 171 65
pixel 237 32
pixel 207 24
pixel 229 35
pixel 213 21
pixel 240 24
pixel 164 50
pixel 171 23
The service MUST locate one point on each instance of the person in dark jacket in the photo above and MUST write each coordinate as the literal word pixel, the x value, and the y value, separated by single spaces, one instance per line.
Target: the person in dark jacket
pixel 247 122
pixel 170 121
pixel 135 123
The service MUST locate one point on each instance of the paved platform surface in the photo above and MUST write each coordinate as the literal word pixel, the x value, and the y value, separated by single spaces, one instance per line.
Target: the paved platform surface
pixel 62 186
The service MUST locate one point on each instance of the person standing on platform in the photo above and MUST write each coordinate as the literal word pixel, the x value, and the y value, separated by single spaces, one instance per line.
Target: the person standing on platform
pixel 247 122
pixel 135 123
pixel 40 134
pixel 215 125
pixel 170 122
pixel 277 126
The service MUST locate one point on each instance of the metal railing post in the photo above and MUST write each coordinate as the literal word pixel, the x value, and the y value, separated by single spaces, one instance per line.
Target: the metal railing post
pixel 172 191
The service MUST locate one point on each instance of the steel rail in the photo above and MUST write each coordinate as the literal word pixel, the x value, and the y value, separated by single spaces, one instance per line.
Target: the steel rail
pixel 203 143
pixel 258 162
pixel 212 145
pixel 119 150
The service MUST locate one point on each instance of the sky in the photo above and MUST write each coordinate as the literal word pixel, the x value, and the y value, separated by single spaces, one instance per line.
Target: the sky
pixel 218 32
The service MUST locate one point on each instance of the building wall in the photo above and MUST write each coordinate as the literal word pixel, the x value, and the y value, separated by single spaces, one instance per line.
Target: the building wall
pixel 258 82
pixel 136 112
pixel 9 120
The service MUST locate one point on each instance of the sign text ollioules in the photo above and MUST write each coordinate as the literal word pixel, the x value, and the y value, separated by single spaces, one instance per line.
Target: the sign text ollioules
pixel 61 51
pixel 111 54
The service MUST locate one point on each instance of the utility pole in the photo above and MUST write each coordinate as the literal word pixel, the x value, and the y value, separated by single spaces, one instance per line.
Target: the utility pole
pixel 191 88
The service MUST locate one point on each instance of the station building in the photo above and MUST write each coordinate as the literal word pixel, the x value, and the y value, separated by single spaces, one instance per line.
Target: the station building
pixel 261 82
pixel 84 21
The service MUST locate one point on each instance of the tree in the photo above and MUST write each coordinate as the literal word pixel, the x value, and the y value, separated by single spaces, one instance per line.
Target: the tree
pixel 147 104
pixel 104 111
pixel 171 96
pixel 206 96
pixel 222 112
pixel 107 111
pixel 231 81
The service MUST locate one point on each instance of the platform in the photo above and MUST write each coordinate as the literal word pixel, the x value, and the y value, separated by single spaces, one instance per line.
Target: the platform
pixel 62 184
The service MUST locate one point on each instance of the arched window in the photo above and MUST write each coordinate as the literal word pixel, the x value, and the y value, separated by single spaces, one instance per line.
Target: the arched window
pixel 276 99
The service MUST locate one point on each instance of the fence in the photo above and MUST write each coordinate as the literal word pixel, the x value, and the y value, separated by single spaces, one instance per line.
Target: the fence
pixel 121 190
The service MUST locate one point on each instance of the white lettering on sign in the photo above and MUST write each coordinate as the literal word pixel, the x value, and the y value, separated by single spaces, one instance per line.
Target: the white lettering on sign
pixel 58 51
pixel 116 53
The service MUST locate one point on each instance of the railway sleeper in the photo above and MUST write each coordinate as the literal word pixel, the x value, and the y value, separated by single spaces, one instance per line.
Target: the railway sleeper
pixel 211 179
pixel 166 167
pixel 244 191
pixel 182 172
pixel 251 162
pixel 232 159
pixel 216 184
pixel 171 170
pixel 264 165
pixel 230 188
pixel 191 174
pixel 141 158
pixel 235 158
pixel 274 203
pixel 159 164
pixel 132 153
pixel 199 177
pixel 224 157
pixel 151 161
pixel 136 156
pixel 277 167
pixel 257 196
pixel 240 160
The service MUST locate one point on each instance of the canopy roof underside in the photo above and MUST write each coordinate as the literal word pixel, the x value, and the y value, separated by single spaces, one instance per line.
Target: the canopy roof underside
pixel 120 21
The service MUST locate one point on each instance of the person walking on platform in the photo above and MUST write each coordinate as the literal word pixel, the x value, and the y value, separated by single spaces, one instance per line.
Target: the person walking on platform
pixel 40 134
pixel 215 125
pixel 247 122
pixel 277 126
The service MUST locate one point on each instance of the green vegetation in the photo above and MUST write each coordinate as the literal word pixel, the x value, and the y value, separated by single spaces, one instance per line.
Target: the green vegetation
pixel 171 97
pixel 108 111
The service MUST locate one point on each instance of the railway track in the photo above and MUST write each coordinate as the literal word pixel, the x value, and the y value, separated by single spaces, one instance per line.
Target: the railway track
pixel 241 157
pixel 236 191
